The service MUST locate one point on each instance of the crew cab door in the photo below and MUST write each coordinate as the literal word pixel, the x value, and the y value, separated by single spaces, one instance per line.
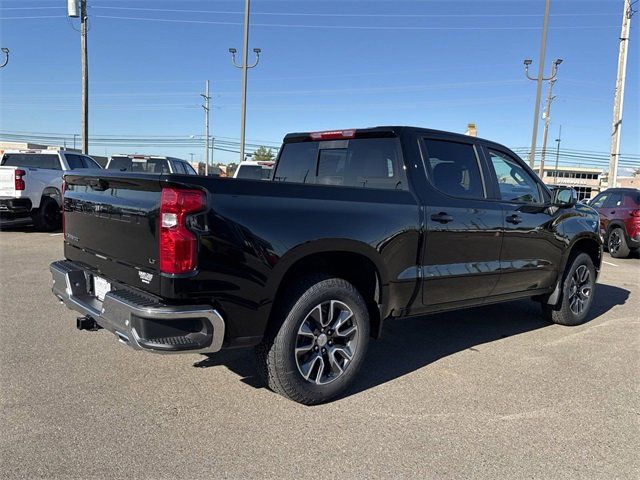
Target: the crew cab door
pixel 531 252
pixel 460 259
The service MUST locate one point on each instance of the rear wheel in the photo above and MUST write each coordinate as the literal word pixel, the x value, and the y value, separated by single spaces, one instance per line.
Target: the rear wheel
pixel 320 343
pixel 578 287
pixel 617 244
pixel 48 216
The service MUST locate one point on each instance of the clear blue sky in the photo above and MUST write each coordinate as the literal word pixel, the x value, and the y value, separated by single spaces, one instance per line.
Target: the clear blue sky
pixel 325 64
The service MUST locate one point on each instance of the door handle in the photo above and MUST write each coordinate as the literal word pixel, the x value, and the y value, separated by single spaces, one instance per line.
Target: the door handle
pixel 441 217
pixel 515 219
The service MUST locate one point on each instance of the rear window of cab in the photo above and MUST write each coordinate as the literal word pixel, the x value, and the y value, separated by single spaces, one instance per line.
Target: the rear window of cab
pixel 365 163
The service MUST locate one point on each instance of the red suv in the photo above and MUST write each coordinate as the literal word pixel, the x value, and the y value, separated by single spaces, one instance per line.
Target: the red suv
pixel 619 210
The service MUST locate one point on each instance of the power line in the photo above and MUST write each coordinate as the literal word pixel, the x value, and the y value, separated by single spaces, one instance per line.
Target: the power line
pixel 349 15
pixel 352 27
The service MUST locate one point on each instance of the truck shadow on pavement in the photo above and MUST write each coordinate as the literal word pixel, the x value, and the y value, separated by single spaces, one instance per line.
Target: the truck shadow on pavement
pixel 412 343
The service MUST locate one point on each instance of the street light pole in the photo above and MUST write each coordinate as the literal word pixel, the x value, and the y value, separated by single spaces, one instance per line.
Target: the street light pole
pixel 244 66
pixel 540 78
pixel 547 114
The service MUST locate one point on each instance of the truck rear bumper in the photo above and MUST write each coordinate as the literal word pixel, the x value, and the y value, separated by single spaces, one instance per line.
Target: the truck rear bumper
pixel 138 321
pixel 15 210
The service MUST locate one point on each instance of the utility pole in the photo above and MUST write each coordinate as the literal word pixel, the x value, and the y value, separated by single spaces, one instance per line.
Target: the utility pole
pixel 618 99
pixel 245 67
pixel 538 79
pixel 558 140
pixel 85 77
pixel 206 127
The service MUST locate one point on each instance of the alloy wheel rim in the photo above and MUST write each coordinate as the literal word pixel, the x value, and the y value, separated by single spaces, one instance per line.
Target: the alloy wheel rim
pixel 580 290
pixel 614 242
pixel 326 342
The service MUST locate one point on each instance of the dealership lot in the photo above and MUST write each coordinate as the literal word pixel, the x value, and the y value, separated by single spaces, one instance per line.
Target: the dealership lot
pixel 492 392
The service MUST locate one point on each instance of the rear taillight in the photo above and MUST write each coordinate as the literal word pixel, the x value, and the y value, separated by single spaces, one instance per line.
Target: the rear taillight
pixel 635 213
pixel 19 182
pixel 178 246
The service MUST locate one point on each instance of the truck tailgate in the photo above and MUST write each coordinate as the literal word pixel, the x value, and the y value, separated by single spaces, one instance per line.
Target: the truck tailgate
pixel 7 181
pixel 110 224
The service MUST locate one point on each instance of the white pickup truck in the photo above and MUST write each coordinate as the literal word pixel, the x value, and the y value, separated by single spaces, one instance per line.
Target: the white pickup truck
pixel 31 185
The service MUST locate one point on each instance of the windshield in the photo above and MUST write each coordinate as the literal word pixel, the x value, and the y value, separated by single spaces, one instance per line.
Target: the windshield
pixel 254 172
pixel 32 160
pixel 142 165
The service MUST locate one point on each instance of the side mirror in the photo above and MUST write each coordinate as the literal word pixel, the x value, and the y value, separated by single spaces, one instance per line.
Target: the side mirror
pixel 564 197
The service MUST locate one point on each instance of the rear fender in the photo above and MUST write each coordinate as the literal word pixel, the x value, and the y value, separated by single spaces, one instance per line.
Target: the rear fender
pixel 54 193
pixel 330 246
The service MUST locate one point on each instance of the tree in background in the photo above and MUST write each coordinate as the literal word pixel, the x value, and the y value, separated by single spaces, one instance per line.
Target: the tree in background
pixel 231 169
pixel 263 154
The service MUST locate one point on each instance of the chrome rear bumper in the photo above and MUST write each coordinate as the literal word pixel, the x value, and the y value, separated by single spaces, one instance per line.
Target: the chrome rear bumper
pixel 139 321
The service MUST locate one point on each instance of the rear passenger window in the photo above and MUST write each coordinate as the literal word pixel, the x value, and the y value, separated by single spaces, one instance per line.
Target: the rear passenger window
pixel 614 200
pixel 74 161
pixel 179 167
pixel 90 163
pixel 453 168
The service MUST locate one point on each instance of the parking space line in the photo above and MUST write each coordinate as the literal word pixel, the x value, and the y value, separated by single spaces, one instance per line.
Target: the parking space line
pixel 56 234
pixel 609 263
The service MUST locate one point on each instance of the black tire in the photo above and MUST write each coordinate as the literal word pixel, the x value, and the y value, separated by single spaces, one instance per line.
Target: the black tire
pixel 617 243
pixel 569 310
pixel 48 217
pixel 279 361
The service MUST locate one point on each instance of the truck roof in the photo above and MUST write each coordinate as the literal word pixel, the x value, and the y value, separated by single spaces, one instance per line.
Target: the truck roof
pixel 380 131
pixel 36 151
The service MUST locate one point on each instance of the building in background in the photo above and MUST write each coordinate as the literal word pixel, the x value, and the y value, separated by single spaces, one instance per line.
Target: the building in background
pixel 630 182
pixel 472 131
pixel 586 180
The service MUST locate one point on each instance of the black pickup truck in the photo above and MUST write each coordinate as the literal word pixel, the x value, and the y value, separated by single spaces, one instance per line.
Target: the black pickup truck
pixel 354 228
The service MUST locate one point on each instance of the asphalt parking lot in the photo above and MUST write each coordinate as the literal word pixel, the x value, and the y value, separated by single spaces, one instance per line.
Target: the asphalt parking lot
pixel 492 392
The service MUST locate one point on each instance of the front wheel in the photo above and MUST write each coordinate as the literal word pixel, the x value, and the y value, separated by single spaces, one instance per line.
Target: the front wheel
pixel 578 287
pixel 320 344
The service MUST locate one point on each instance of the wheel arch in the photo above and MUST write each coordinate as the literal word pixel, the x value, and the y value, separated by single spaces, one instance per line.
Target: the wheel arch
pixel 54 193
pixel 616 224
pixel 356 262
pixel 589 244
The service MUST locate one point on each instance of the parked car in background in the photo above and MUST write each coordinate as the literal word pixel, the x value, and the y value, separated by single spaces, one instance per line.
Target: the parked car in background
pixel 252 170
pixel 31 185
pixel 355 227
pixel 150 164
pixel 619 210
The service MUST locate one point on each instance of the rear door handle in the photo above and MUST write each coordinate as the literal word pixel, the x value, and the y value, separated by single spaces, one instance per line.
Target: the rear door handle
pixel 515 219
pixel 442 217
